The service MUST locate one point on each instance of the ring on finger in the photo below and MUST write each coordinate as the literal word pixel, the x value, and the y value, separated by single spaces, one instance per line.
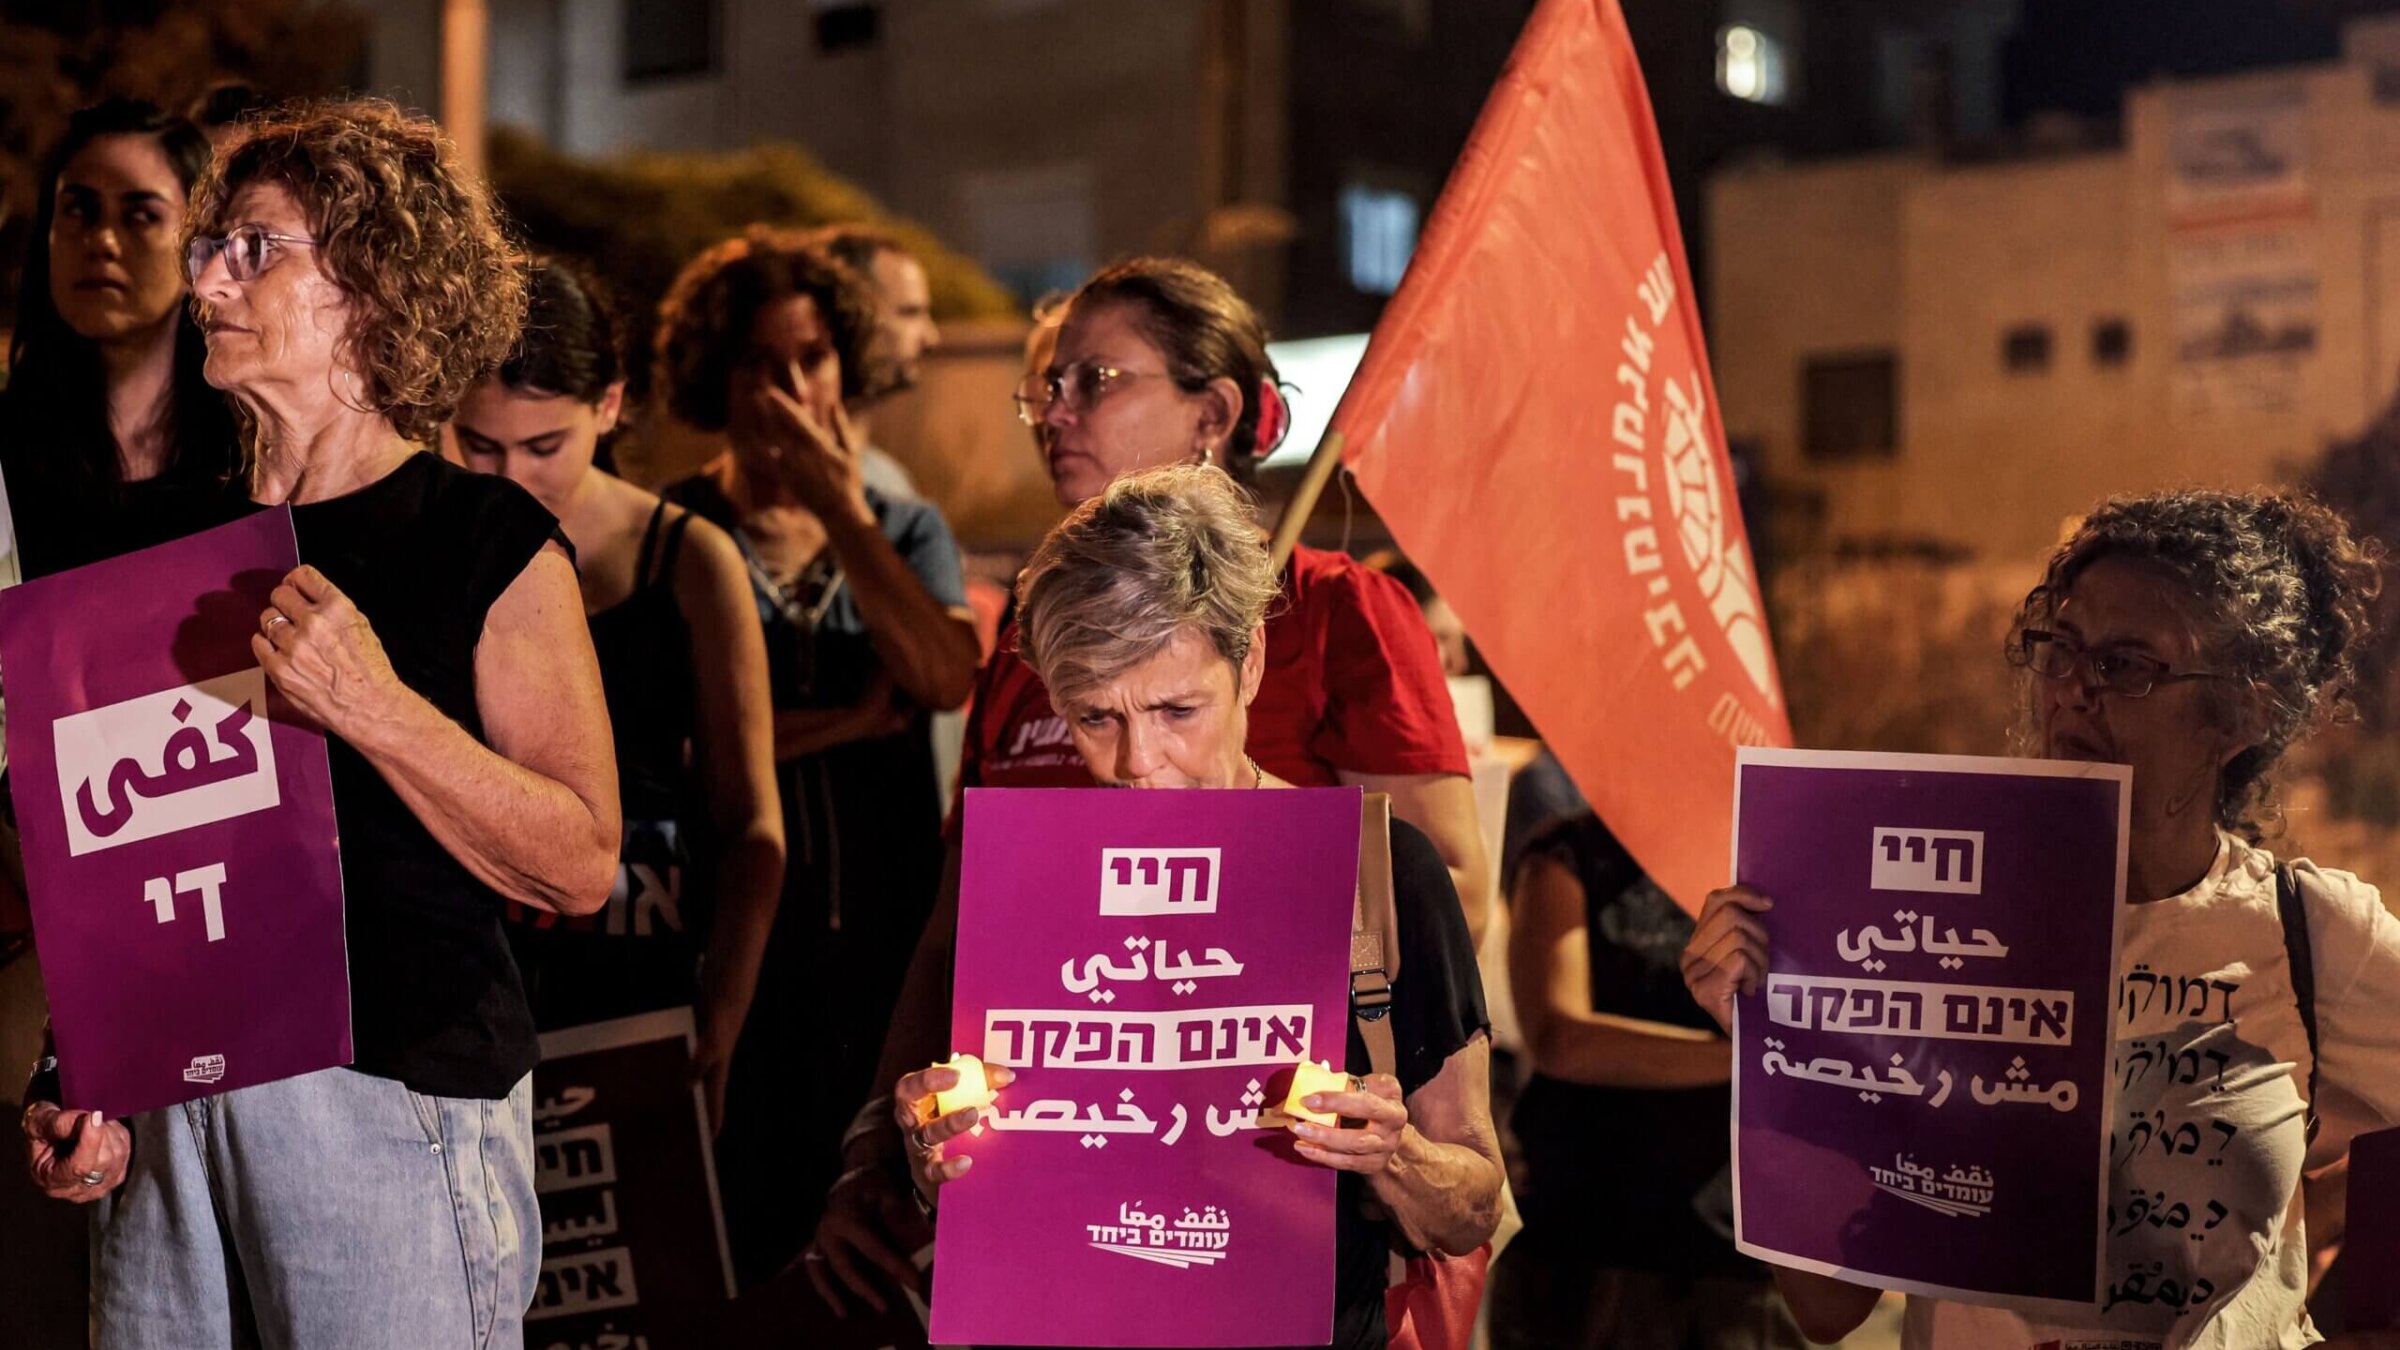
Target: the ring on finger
pixel 91 1178
pixel 279 617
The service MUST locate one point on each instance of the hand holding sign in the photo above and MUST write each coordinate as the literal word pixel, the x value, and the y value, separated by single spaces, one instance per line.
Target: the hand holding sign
pixel 75 1156
pixel 1728 951
pixel 321 652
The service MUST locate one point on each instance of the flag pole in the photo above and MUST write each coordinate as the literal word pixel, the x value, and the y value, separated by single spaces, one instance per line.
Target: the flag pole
pixel 1321 466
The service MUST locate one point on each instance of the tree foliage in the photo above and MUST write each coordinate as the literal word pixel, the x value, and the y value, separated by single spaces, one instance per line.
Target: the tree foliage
pixel 55 58
pixel 637 218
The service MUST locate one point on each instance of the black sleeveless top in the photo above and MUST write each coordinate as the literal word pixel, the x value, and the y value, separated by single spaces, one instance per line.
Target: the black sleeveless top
pixel 645 652
pixel 435 1001
pixel 1654 1159
pixel 641 952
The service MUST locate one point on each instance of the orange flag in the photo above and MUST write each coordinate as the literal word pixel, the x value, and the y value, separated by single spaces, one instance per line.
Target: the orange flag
pixel 1535 422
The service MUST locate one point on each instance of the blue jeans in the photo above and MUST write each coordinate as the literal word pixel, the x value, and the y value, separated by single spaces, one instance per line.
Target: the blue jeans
pixel 334 1209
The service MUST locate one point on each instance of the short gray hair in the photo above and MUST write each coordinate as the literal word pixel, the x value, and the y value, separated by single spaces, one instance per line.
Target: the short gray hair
pixel 1156 553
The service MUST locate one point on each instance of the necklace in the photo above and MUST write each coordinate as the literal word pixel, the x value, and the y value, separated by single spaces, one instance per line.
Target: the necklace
pixel 1258 776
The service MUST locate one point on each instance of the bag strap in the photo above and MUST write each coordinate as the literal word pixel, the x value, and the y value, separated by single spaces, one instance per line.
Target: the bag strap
pixel 1374 934
pixel 2294 913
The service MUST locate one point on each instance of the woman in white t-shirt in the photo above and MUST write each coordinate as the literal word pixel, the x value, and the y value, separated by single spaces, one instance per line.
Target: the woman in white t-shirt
pixel 2196 636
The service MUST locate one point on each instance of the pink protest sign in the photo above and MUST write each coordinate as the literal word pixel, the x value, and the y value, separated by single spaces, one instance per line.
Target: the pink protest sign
pixel 178 825
pixel 1153 965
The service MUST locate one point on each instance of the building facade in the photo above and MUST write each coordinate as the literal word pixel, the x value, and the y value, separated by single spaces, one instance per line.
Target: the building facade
pixel 1927 355
pixel 1293 144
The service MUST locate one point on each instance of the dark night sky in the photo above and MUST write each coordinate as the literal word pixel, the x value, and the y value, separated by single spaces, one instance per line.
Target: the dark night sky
pixel 2081 56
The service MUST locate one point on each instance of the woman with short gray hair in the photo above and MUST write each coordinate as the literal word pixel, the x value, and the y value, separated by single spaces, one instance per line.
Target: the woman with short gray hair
pixel 1144 613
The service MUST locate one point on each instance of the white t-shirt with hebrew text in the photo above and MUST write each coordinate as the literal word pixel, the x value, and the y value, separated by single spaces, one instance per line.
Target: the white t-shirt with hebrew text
pixel 2205 1248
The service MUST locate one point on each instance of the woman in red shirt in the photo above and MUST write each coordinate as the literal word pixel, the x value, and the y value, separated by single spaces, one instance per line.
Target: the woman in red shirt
pixel 1159 362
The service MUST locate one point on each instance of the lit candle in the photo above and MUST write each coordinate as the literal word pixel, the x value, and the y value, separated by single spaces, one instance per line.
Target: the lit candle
pixel 972 1089
pixel 1308 1080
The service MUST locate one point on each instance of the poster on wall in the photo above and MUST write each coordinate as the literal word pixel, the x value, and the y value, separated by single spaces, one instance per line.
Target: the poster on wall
pixel 2246 318
pixel 2238 152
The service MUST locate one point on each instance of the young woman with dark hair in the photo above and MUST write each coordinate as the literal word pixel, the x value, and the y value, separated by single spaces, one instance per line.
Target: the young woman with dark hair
pixel 110 439
pixel 684 669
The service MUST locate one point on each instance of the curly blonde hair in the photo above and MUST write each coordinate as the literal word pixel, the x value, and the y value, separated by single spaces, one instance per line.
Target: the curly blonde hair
pixel 1155 553
pixel 2280 596
pixel 436 283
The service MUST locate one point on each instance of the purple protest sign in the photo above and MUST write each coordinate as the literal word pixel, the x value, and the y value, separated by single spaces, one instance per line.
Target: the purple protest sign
pixel 178 825
pixel 1153 965
pixel 1922 1091
pixel 2371 1241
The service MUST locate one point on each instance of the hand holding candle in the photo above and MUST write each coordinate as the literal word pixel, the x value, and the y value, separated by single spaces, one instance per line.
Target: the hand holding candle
pixel 1307 1080
pixel 973 1090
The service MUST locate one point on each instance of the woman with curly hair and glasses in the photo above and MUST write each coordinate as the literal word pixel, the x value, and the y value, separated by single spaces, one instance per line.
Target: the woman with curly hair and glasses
pixel 764 339
pixel 2196 636
pixel 353 285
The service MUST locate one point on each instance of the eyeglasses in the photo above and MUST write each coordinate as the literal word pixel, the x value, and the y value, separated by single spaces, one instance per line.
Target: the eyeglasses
pixel 1032 399
pixel 247 250
pixel 2125 674
pixel 1078 387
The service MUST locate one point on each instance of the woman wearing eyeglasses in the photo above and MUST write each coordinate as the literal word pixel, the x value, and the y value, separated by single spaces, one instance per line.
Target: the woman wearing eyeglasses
pixel 2196 636
pixel 110 439
pixel 353 285
pixel 863 604
pixel 1158 362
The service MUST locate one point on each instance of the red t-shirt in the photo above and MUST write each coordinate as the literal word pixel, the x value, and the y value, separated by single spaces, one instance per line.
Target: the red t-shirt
pixel 1352 682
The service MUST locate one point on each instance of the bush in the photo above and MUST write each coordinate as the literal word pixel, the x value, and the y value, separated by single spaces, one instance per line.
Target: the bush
pixel 636 219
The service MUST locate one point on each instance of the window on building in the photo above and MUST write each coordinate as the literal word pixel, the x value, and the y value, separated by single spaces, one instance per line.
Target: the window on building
pixel 668 38
pixel 1379 233
pixel 1750 65
pixel 2025 349
pixel 2112 342
pixel 1850 406
pixel 847 25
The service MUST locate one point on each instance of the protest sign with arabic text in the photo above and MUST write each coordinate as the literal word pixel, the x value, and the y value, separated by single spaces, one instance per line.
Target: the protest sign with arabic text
pixel 178 825
pixel 1154 965
pixel 1922 1091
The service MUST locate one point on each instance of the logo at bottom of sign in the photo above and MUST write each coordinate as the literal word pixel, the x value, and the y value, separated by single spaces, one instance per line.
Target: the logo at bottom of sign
pixel 1196 1239
pixel 1960 1193
pixel 205 1069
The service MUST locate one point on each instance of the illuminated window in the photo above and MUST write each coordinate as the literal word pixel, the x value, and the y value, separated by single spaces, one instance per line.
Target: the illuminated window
pixel 1379 232
pixel 1750 65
